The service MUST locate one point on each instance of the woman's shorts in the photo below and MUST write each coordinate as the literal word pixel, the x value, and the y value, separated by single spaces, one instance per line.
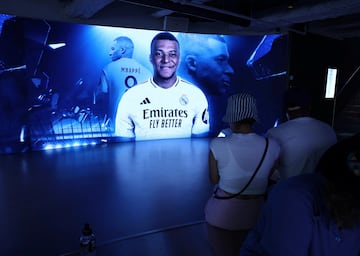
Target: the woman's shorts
pixel 234 213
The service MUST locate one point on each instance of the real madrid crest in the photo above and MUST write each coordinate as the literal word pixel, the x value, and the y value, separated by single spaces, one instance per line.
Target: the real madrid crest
pixel 184 100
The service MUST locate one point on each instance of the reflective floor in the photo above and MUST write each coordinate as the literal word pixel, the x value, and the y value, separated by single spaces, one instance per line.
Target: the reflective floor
pixel 143 198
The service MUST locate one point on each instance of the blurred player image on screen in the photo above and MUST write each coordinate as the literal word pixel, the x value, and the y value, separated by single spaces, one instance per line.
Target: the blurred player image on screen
pixel 122 73
pixel 205 63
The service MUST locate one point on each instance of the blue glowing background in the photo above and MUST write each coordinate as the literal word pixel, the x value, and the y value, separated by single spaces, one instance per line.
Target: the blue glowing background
pixel 47 95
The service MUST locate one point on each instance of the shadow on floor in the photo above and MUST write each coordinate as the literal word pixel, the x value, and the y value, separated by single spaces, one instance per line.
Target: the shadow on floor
pixel 189 239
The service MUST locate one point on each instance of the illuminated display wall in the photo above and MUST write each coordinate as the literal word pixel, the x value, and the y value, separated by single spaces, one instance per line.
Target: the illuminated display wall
pixel 51 72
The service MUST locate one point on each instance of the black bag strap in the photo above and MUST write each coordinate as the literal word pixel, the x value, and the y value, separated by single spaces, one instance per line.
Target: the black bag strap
pixel 250 180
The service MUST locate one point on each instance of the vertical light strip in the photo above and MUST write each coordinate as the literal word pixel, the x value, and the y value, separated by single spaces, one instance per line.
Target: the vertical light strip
pixel 330 83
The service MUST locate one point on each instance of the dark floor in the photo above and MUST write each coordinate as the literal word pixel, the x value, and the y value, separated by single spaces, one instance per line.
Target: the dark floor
pixel 143 198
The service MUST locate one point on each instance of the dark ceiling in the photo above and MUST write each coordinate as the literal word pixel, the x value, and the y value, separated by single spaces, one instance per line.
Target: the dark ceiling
pixel 332 18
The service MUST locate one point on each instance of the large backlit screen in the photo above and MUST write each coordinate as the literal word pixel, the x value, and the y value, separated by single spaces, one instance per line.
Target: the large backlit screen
pixel 62 84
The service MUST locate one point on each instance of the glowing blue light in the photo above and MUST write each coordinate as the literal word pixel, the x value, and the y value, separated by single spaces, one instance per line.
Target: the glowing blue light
pixel 22 134
pixel 68 145
pixel 3 18
pixel 76 144
pixel 221 135
pixel 56 46
pixel 276 122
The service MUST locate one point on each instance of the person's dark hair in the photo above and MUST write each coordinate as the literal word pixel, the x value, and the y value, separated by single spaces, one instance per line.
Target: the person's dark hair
pixel 342 182
pixel 162 36
pixel 298 102
pixel 248 121
pixel 126 43
pixel 125 40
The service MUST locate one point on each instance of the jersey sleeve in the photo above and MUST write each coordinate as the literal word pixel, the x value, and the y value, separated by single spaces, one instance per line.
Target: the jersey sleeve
pixel 201 123
pixel 124 127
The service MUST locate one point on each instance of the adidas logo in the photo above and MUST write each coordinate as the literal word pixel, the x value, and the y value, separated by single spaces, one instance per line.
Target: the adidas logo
pixel 145 101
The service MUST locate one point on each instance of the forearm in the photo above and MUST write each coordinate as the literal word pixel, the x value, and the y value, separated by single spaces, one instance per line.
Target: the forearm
pixel 213 169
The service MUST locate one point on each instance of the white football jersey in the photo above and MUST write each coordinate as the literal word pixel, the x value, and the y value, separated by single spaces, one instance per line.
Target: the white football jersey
pixel 148 111
pixel 117 77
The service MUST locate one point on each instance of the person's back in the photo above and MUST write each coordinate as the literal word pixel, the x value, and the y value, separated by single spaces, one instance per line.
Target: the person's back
pixel 302 139
pixel 120 75
pixel 240 165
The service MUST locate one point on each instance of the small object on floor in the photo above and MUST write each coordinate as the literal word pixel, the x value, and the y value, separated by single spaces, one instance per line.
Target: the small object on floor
pixel 87 241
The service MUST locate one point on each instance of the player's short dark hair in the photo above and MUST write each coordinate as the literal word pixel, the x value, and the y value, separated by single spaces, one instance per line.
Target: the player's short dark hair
pixel 297 97
pixel 163 36
pixel 298 102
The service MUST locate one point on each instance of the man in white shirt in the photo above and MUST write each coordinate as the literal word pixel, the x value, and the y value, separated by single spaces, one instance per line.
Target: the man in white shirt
pixel 302 139
pixel 165 106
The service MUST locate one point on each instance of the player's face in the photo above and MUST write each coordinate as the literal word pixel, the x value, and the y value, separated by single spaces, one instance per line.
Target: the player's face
pixel 115 51
pixel 213 70
pixel 165 58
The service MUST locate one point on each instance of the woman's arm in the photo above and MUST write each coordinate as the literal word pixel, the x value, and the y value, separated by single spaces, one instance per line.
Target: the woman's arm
pixel 213 169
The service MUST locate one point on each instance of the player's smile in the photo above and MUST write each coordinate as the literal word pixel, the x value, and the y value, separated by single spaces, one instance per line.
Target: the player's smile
pixel 167 67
